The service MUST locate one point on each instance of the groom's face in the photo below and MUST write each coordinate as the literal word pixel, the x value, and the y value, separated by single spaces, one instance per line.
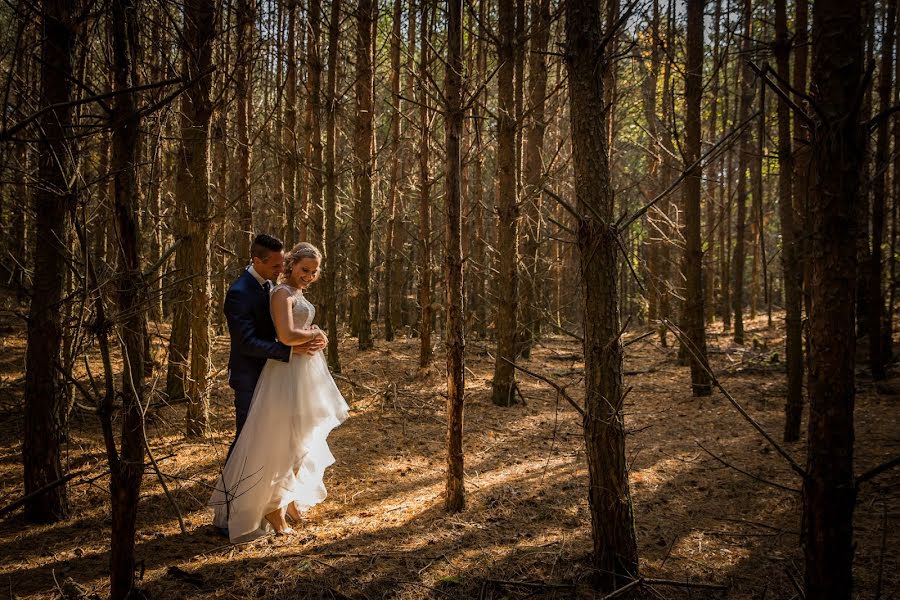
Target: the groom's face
pixel 270 267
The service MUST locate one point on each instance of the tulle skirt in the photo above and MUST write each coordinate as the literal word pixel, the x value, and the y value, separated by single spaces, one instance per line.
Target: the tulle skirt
pixel 282 453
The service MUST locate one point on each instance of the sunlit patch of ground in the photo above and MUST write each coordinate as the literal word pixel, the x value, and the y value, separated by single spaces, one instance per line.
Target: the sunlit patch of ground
pixel 383 533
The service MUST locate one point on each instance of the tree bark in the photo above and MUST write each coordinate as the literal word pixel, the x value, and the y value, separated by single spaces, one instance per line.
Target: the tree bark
pixel 533 175
pixel 877 341
pixel 330 263
pixel 127 470
pixel 694 319
pixel 43 434
pixel 365 159
pixel 425 250
pixel 504 382
pixel 245 14
pixel 192 191
pixel 790 245
pixel 455 337
pixel 395 203
pixel 829 490
pixel 316 218
pixel 740 243
pixel 289 133
pixel 615 557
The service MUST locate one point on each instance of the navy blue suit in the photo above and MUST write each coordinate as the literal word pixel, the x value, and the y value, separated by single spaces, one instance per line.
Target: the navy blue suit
pixel 253 340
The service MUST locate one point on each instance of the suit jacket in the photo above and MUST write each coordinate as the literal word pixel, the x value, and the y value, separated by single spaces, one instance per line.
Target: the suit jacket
pixel 252 332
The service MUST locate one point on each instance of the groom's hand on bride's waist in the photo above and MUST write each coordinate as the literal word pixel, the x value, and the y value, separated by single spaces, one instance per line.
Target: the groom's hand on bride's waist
pixel 312 346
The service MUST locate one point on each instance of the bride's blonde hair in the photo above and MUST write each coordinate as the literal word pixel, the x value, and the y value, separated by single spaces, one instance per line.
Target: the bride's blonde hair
pixel 296 254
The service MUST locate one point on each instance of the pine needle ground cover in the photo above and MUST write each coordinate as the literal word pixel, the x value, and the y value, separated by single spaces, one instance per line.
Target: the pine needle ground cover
pixel 382 532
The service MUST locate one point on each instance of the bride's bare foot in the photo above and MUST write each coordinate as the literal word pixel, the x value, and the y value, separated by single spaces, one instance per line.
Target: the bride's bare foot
pixel 276 520
pixel 293 514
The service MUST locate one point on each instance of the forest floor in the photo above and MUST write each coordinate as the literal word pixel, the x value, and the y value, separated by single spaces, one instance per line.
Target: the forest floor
pixel 383 533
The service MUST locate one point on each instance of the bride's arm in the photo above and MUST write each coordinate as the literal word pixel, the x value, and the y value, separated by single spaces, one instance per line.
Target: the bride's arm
pixel 283 317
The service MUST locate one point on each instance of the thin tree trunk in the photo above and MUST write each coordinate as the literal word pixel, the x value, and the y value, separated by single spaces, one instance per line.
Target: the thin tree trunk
pixel 245 14
pixel 365 159
pixel 790 246
pixel 503 385
pixel 330 264
pixel 829 490
pixel 864 251
pixel 43 433
pixel 713 182
pixel 425 276
pixel 877 354
pixel 533 175
pixel 694 321
pixel 455 337
pixel 478 273
pixel 289 134
pixel 126 472
pixel 394 207
pixel 316 218
pixel 740 245
pixel 615 556
pixel 192 191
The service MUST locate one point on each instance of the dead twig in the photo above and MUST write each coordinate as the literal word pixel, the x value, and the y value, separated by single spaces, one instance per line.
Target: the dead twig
pixel 750 475
pixel 556 386
pixel 41 490
pixel 715 381
pixel 874 472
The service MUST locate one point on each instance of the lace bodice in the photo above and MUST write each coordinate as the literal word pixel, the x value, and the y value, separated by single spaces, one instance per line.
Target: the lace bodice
pixel 304 311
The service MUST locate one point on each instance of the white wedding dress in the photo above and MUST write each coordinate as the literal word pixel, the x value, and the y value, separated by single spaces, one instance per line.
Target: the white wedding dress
pixel 282 453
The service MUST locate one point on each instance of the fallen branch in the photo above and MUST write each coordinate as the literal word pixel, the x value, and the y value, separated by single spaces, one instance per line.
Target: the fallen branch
pixel 750 475
pixel 41 490
pixel 556 386
pixel 874 472
pixel 715 381
pixel 686 584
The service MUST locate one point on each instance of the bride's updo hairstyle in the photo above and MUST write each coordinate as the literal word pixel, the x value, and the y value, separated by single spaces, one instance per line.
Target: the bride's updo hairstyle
pixel 296 254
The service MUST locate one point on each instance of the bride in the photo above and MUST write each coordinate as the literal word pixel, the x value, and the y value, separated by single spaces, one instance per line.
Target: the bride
pixel 276 466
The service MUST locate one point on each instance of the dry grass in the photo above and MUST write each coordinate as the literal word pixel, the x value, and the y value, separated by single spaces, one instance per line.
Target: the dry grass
pixel 383 533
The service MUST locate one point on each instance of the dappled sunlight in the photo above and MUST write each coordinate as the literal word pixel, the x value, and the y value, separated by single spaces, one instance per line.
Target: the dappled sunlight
pixel 383 531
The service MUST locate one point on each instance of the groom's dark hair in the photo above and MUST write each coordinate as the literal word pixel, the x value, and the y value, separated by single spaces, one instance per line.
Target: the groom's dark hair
pixel 263 245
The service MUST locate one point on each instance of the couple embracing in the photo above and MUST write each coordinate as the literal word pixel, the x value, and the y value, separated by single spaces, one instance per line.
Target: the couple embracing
pixel 285 400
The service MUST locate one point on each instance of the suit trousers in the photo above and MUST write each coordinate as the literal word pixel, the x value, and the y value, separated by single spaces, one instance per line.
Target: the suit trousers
pixel 242 400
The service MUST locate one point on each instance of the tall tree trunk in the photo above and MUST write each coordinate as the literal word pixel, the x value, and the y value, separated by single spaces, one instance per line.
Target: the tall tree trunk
pixel 504 382
pixel 877 354
pixel 615 557
pixel 316 218
pixel 331 265
pixel 478 273
pixel 180 337
pixel 43 435
pixel 455 337
pixel 192 191
pixel 693 263
pixel 533 174
pixel 126 472
pixel 289 134
pixel 425 275
pixel 863 280
pixel 395 203
pixel 713 182
pixel 790 246
pixel 365 159
pixel 829 490
pixel 740 243
pixel 895 182
pixel 245 13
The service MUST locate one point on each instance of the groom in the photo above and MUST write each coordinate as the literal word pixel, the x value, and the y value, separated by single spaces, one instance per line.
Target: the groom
pixel 250 325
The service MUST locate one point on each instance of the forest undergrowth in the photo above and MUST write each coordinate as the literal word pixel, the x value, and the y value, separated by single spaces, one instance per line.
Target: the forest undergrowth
pixel 383 533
